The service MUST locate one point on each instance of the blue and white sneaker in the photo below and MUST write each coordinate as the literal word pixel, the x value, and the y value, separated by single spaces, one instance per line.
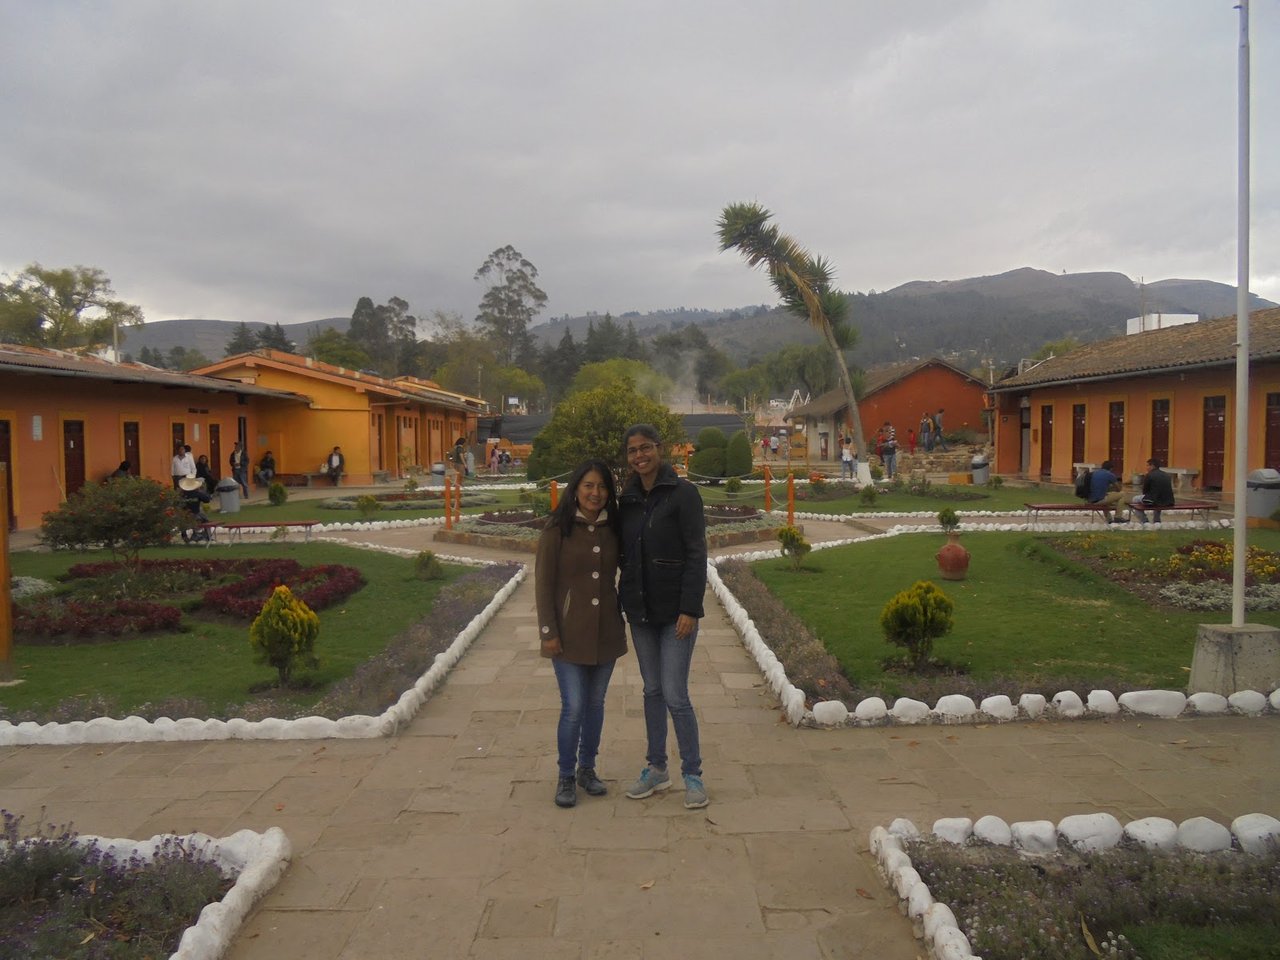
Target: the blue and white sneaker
pixel 650 781
pixel 695 794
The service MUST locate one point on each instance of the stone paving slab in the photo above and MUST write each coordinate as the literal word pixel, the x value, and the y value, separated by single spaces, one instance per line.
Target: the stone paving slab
pixel 444 842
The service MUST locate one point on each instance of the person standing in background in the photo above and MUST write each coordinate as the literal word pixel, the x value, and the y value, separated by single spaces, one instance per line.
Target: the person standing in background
pixel 240 468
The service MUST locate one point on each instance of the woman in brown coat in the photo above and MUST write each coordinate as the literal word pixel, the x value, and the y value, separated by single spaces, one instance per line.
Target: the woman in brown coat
pixel 579 622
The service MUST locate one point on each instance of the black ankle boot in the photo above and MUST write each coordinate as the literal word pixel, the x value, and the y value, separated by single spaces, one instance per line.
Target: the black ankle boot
pixel 567 794
pixel 589 782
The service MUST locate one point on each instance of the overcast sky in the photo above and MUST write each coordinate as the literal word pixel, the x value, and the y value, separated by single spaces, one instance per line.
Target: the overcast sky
pixel 275 161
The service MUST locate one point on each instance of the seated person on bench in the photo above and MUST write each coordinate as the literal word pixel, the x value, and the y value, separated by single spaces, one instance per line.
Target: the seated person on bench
pixel 1106 489
pixel 1157 491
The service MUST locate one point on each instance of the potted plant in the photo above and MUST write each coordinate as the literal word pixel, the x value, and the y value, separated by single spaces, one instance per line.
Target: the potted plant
pixel 953 559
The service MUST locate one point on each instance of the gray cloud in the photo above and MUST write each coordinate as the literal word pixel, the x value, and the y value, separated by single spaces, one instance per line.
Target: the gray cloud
pixel 278 161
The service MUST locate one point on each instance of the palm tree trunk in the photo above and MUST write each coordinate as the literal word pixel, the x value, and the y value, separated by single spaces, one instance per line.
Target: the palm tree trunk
pixel 846 384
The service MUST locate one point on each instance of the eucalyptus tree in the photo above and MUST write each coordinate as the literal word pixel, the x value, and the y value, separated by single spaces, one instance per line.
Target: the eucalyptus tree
pixel 512 299
pixel 802 281
pixel 71 308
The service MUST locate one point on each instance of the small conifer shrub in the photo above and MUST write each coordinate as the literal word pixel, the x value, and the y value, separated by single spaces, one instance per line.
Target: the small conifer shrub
pixel 914 618
pixel 284 634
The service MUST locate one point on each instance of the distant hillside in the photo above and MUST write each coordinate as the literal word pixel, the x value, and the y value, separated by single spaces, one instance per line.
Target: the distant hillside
pixel 211 337
pixel 1004 317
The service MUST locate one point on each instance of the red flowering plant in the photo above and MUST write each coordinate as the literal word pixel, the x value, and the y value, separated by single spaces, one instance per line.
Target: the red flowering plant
pixel 124 515
pixel 318 587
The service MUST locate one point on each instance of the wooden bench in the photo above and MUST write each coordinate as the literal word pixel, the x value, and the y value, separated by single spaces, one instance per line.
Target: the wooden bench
pixel 235 531
pixel 1200 509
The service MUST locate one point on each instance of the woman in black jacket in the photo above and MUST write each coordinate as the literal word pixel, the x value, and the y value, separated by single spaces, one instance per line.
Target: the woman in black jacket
pixel 579 624
pixel 664 575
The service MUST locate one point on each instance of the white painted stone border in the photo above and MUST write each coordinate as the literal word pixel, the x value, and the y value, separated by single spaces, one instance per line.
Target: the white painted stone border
pixel 935 922
pixel 957 708
pixel 138 730
pixel 256 860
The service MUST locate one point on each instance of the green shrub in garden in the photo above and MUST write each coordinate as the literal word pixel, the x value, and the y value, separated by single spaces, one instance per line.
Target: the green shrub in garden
pixel 948 520
pixel 427 566
pixel 708 460
pixel 124 515
pixel 794 545
pixel 914 618
pixel 732 487
pixel 277 493
pixel 737 455
pixel 368 505
pixel 284 633
pixel 867 495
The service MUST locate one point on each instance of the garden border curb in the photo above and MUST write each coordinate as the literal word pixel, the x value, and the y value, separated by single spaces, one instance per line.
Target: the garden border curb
pixel 956 708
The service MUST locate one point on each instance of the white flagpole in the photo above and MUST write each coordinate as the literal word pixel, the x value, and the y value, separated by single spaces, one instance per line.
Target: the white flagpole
pixel 1240 543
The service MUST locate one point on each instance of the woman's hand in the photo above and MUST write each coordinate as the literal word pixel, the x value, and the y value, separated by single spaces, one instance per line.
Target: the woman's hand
pixel 685 625
pixel 551 647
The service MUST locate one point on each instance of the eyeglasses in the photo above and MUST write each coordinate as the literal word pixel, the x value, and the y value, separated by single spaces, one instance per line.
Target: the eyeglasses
pixel 644 448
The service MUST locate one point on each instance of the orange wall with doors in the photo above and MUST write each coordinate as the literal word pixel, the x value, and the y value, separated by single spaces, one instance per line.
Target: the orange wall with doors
pixel 925 391
pixel 61 430
pixel 1189 415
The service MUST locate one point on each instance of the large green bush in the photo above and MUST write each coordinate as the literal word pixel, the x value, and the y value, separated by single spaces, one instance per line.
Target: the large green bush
pixel 591 423
pixel 124 515
pixel 707 462
pixel 737 455
pixel 914 618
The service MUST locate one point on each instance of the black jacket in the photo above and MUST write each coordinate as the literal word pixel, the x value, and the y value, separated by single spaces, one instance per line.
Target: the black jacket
pixel 664 549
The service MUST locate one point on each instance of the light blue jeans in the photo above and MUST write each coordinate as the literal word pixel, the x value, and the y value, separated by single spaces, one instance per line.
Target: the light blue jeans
pixel 664 667
pixel 582 691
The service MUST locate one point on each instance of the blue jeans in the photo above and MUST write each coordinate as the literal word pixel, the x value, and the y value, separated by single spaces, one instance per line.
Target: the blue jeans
pixel 664 666
pixel 848 466
pixel 890 464
pixel 582 691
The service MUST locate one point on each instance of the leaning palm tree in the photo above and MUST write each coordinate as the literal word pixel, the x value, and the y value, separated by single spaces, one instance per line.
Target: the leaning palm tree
pixel 802 280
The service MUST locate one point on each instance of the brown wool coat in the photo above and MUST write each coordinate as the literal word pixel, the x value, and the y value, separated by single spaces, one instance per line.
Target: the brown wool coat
pixel 575 583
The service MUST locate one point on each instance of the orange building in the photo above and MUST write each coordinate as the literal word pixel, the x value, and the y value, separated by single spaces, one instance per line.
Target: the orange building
pixel 383 426
pixel 1168 394
pixel 67 420
pixel 900 394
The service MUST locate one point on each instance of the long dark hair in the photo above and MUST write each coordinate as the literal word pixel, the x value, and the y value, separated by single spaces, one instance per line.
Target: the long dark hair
pixel 565 512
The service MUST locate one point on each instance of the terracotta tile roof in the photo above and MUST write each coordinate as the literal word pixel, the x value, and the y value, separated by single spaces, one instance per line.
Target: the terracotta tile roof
pixel 400 388
pixel 17 360
pixel 1207 343
pixel 873 381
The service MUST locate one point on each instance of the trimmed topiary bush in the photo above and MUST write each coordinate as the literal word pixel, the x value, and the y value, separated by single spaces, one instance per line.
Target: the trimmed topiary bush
pixel 794 545
pixel 284 634
pixel 707 462
pixel 737 456
pixel 427 566
pixel 277 493
pixel 914 618
pixel 368 505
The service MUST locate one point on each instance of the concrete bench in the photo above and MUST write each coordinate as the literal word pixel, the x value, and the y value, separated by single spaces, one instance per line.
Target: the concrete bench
pixel 303 479
pixel 1200 509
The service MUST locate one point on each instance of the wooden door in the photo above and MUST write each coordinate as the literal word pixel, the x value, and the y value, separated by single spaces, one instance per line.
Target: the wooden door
pixel 1160 431
pixel 1115 437
pixel 1271 447
pixel 6 457
pixel 1215 442
pixel 132 451
pixel 1046 441
pixel 72 455
pixel 215 451
pixel 1077 432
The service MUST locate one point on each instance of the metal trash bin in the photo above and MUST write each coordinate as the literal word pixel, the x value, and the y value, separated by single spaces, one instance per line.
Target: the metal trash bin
pixel 1262 497
pixel 228 495
pixel 435 479
pixel 981 468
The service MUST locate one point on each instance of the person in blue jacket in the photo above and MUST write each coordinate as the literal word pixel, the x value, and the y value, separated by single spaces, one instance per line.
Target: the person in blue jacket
pixel 664 575
pixel 1105 488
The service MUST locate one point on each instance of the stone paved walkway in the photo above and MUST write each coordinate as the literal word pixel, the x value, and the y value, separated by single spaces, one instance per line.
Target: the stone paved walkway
pixel 444 842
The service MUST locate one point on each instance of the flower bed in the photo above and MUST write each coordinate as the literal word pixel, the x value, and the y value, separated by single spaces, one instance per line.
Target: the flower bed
pixel 96 610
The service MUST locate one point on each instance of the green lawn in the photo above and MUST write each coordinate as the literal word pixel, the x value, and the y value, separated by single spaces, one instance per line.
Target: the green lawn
pixel 1017 613
pixel 213 661
pixel 298 508
pixel 1002 499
